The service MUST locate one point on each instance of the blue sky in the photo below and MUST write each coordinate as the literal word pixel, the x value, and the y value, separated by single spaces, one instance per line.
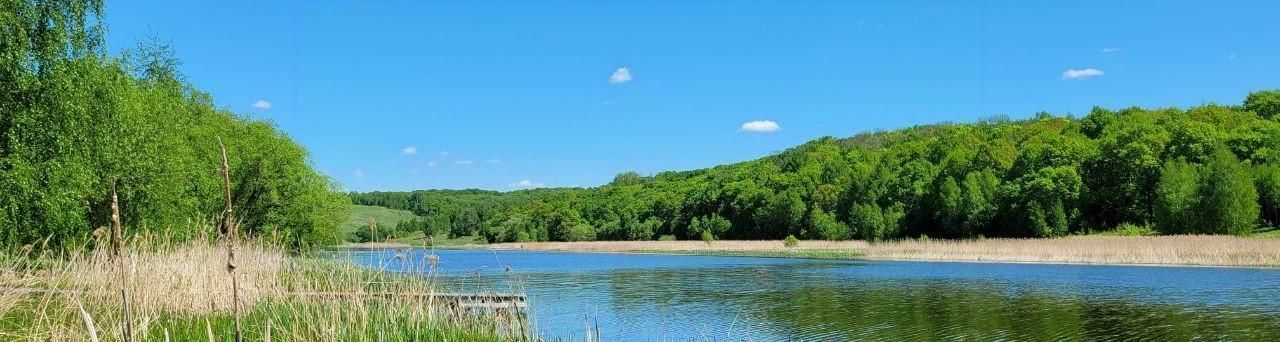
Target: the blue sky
pixel 507 95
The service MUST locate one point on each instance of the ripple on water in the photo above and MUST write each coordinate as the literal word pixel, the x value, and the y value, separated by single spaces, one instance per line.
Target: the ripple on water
pixel 647 297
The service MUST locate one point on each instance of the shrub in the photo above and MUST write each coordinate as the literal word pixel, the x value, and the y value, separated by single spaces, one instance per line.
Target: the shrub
pixel 707 237
pixel 581 232
pixel 790 241
pixel 713 225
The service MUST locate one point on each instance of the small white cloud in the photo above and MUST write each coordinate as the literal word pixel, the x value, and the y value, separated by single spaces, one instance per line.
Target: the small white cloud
pixel 444 153
pixel 493 161
pixel 1109 50
pixel 620 76
pixel 409 150
pixel 761 126
pixel 358 173
pixel 432 164
pixel 1076 74
pixel 464 162
pixel 261 104
pixel 526 184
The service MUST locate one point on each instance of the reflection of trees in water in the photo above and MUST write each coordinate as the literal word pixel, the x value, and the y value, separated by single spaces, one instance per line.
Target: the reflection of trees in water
pixel 780 300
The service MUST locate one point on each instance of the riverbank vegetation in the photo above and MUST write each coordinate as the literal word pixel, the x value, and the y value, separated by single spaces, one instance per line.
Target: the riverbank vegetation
pixel 78 122
pixel 1210 169
pixel 1199 250
pixel 182 291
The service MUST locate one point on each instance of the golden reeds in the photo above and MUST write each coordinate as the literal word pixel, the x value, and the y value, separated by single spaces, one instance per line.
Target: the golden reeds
pixel 186 282
pixel 1201 250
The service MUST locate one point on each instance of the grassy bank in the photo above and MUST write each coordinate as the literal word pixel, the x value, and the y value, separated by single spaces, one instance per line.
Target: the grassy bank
pixel 184 292
pixel 1199 250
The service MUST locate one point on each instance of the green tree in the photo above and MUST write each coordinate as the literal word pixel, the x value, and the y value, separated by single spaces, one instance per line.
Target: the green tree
pixel 826 227
pixel 713 224
pixel 1264 103
pixel 1177 198
pixel 1228 199
pixel 1267 180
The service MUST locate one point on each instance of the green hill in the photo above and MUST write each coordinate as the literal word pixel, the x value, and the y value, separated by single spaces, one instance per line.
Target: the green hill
pixel 1210 169
pixel 386 218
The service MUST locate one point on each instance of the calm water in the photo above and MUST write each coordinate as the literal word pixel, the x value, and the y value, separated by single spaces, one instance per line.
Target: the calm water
pixel 664 297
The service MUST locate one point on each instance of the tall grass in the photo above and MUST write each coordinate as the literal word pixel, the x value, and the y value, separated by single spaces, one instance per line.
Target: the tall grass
pixel 1206 250
pixel 183 290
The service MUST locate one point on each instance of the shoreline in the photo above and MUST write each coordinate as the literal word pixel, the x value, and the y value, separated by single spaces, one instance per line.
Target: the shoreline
pixel 1186 250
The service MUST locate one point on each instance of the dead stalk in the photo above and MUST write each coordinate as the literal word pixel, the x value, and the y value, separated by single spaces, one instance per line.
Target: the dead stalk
pixel 230 228
pixel 119 253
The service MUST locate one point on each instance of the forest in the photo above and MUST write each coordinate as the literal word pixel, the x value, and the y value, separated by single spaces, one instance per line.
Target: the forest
pixel 76 122
pixel 1209 169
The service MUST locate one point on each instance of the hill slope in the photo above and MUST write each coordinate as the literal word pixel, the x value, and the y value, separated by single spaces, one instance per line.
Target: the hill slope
pixel 1208 170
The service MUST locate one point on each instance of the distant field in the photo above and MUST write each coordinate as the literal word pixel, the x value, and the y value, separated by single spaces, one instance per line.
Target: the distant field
pixel 360 215
pixel 385 217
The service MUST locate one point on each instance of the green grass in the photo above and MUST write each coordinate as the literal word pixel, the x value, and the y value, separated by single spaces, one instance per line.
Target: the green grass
pixel 360 214
pixel 440 240
pixel 1273 233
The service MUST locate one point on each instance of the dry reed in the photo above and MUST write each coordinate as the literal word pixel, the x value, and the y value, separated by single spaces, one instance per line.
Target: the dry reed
pixel 1200 250
pixel 173 285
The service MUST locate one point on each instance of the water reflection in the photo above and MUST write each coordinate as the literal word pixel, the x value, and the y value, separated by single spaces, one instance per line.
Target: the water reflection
pixel 646 297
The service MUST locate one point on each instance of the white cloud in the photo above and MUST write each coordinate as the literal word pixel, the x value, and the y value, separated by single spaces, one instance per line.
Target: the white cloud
pixel 1076 74
pixel 358 173
pixel 526 184
pixel 409 150
pixel 261 104
pixel 464 162
pixel 761 126
pixel 432 164
pixel 444 153
pixel 493 161
pixel 620 76
pixel 1109 50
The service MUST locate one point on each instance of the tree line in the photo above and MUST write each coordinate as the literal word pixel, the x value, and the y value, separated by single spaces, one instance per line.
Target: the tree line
pixel 1210 169
pixel 76 121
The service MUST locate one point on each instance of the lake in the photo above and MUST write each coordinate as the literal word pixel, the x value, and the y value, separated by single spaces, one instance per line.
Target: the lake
pixel 680 297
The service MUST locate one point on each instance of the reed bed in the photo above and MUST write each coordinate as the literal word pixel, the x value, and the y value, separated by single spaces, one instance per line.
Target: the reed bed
pixel 1198 250
pixel 182 292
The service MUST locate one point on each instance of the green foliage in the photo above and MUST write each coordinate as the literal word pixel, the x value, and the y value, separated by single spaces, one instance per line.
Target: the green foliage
pixel 581 232
pixel 1131 230
pixel 76 121
pixel 707 237
pixel 1044 176
pixel 710 226
pixel 825 227
pixel 790 241
pixel 1264 103
pixel 1219 197
pixel 1228 199
pixel 1267 180
pixel 1177 198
